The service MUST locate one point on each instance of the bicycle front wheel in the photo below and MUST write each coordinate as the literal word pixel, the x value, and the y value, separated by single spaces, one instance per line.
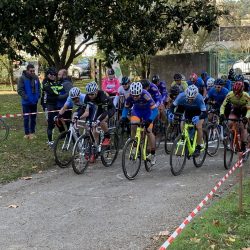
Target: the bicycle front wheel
pixel 213 140
pixel 178 156
pixel 81 154
pixel 109 153
pixel 4 130
pixel 228 151
pixel 171 134
pixel 130 163
pixel 199 160
pixel 63 148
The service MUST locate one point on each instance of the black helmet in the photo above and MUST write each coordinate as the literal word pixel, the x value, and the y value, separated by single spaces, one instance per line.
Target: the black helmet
pixel 110 72
pixel 204 74
pixel 174 90
pixel 125 80
pixel 51 71
pixel 145 83
pixel 177 77
pixel 155 79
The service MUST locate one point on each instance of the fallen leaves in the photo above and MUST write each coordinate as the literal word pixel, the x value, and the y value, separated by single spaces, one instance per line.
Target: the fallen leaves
pixel 195 240
pixel 26 178
pixel 216 223
pixel 13 206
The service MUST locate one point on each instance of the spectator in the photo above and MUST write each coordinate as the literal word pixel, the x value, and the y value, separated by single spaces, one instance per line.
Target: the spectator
pixel 29 89
pixel 110 84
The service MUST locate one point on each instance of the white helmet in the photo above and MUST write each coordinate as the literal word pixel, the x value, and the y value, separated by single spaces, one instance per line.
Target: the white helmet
pixel 191 92
pixel 210 82
pixel 136 88
pixel 91 87
pixel 74 92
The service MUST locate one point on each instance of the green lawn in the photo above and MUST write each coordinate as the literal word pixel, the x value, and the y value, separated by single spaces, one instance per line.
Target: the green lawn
pixel 220 227
pixel 20 157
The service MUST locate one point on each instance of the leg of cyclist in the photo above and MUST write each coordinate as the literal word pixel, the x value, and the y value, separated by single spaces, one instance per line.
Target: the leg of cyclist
pixel 104 127
pixel 151 140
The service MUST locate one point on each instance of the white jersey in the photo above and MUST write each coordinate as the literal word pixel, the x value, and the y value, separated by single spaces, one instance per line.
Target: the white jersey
pixel 121 93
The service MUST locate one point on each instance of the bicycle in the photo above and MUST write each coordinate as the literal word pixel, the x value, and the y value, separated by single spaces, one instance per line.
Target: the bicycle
pixel 184 147
pixel 64 144
pixel 232 142
pixel 159 130
pixel 4 130
pixel 85 147
pixel 134 151
pixel 173 130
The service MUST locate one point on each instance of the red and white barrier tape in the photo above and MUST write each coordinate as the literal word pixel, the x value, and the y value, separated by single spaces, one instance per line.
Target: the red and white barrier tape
pixel 24 114
pixel 198 208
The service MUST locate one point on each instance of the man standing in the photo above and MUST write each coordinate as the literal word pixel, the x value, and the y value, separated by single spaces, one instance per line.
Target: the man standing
pixel 29 89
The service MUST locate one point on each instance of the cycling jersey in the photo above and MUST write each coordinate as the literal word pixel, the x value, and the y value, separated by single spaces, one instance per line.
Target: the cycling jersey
pixel 228 85
pixel 182 86
pixel 163 91
pixel 69 103
pixel 110 86
pixel 243 101
pixel 196 107
pixel 199 84
pixel 216 96
pixel 155 93
pixel 121 92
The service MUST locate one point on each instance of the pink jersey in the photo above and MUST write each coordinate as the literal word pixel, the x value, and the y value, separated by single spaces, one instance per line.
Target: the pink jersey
pixel 110 86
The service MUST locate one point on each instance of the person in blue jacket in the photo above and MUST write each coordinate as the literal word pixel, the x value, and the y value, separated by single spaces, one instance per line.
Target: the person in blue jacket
pixel 28 88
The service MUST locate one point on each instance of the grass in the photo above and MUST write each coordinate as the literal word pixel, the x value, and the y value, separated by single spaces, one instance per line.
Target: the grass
pixel 220 227
pixel 20 157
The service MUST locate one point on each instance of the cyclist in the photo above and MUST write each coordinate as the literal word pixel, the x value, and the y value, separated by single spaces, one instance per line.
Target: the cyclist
pixel 227 82
pixel 162 88
pixel 143 108
pixel 99 107
pixel 195 110
pixel 240 102
pixel 198 82
pixel 210 83
pixel 205 77
pixel 110 84
pixel 179 82
pixel 231 75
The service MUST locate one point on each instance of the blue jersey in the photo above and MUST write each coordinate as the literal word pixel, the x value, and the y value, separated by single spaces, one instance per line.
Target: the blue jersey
pixel 228 85
pixel 216 96
pixel 69 103
pixel 199 84
pixel 163 91
pixel 196 104
pixel 155 93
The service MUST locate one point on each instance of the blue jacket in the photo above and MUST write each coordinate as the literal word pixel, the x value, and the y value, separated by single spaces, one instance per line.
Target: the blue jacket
pixel 29 89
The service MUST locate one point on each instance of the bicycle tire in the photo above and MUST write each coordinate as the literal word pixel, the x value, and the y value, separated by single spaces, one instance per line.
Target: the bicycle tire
pixel 81 154
pixel 4 130
pixel 203 158
pixel 147 164
pixel 111 150
pixel 171 134
pixel 228 151
pixel 128 160
pixel 178 142
pixel 61 158
pixel 213 135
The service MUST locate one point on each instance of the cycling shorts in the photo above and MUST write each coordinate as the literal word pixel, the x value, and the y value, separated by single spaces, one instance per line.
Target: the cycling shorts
pixel 239 111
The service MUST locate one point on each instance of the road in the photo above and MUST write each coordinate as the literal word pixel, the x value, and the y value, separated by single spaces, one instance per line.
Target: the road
pixel 101 209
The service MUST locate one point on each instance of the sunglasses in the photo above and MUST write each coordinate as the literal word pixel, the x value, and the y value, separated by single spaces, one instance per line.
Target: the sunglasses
pixel 135 95
pixel 92 94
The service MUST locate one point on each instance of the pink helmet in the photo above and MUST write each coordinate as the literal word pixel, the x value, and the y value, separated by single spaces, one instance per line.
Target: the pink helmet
pixel 193 77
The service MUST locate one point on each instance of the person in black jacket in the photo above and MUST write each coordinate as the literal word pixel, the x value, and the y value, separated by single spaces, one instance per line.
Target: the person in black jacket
pixel 50 93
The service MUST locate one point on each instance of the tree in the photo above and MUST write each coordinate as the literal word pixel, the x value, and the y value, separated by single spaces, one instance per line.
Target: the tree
pixel 50 28
pixel 141 28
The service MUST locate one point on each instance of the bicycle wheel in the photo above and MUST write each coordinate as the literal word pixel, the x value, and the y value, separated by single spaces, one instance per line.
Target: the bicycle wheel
pixel 178 155
pixel 63 148
pixel 213 140
pixel 199 160
pixel 4 130
pixel 147 163
pixel 159 132
pixel 109 153
pixel 81 154
pixel 130 165
pixel 228 150
pixel 171 134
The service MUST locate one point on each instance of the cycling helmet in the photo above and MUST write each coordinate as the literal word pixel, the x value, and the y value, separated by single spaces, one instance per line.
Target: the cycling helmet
pixel 145 83
pixel 74 92
pixel 193 77
pixel 174 90
pixel 125 80
pixel 91 87
pixel 210 82
pixel 136 88
pixel 191 92
pixel 238 87
pixel 239 78
pixel 183 78
pixel 51 71
pixel 219 81
pixel 177 77
pixel 155 79
pixel 204 74
pixel 110 72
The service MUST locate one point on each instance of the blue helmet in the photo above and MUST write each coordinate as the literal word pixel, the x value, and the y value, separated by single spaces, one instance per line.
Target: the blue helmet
pixel 125 80
pixel 239 78
pixel 219 81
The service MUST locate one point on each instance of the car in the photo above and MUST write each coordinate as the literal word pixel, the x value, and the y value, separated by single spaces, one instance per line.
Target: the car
pixel 242 66
pixel 82 69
